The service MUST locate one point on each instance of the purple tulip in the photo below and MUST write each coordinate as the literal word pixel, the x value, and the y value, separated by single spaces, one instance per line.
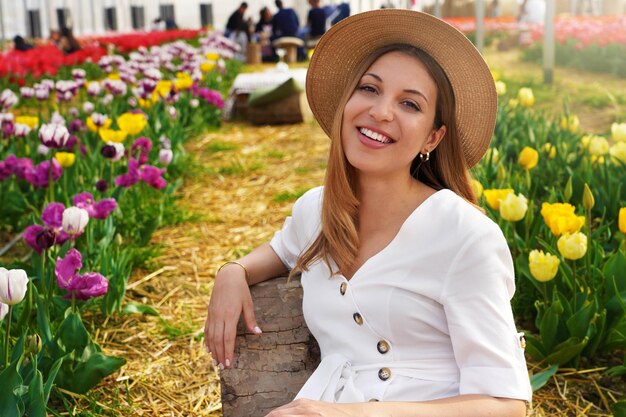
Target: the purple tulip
pixel 113 151
pixel 97 210
pixel 5 172
pixel 143 145
pixel 40 175
pixel 53 135
pixel 99 119
pixel 39 238
pixel 57 119
pixel 20 167
pixel 42 93
pixel 79 74
pixel 130 178
pixel 82 287
pixel 102 185
pixel 152 176
pixel 94 88
pixel 8 129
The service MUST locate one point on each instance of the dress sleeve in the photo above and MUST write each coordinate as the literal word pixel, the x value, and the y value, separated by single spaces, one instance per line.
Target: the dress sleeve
pixel 476 298
pixel 299 230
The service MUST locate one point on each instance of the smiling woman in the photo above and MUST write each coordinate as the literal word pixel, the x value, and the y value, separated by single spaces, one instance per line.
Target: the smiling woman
pixel 407 285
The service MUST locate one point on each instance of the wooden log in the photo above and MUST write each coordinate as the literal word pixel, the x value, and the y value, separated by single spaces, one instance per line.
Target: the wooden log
pixel 270 369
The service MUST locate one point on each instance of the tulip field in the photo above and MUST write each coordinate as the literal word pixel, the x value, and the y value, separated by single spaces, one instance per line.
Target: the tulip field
pixel 110 161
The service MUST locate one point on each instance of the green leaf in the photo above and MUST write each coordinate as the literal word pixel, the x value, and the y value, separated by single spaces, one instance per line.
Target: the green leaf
pixel 578 324
pixel 10 381
pixel 619 409
pixel 549 325
pixel 37 403
pixel 72 333
pixel 132 308
pixel 51 377
pixel 83 375
pixel 534 348
pixel 566 351
pixel 539 380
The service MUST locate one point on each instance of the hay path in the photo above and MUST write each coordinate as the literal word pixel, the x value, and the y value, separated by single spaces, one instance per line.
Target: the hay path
pixel 244 184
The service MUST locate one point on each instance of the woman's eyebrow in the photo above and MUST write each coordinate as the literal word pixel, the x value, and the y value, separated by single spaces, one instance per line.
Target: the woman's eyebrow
pixel 406 90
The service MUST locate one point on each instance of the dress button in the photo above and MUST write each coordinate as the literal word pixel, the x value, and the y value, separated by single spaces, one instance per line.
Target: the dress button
pixel 358 319
pixel 384 373
pixel 343 287
pixel 383 346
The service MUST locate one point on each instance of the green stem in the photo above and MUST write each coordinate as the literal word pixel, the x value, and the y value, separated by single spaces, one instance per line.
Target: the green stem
pixel 7 338
pixel 588 254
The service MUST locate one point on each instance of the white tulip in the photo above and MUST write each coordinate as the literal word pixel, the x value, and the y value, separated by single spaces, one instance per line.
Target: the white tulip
pixel 74 220
pixel 13 284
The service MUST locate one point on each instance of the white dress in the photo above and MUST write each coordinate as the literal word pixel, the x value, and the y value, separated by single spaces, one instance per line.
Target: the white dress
pixel 427 317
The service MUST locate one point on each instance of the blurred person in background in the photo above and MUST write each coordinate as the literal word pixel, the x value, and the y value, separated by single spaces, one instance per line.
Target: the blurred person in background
pixel 68 44
pixel 532 12
pixel 285 22
pixel 236 22
pixel 316 20
pixel 20 44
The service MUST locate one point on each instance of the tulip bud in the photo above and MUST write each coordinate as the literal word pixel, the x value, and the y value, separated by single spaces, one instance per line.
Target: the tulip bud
pixel 102 185
pixel 501 175
pixel 567 191
pixel 194 103
pixel 33 344
pixel 621 220
pixel 45 239
pixel 588 200
pixel 75 220
pixel 165 156
pixel 13 284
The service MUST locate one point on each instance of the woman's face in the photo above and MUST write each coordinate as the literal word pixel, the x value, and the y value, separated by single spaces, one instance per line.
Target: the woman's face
pixel 389 118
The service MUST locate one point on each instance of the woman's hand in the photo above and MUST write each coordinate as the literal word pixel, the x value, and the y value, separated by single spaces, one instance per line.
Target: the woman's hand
pixel 230 297
pixel 310 408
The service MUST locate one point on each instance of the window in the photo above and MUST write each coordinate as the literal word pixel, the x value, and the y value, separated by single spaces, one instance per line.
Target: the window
pixel 167 12
pixel 137 17
pixel 34 24
pixel 64 18
pixel 110 18
pixel 206 14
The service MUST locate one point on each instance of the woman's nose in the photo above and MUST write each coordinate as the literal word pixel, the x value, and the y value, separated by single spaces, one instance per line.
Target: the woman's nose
pixel 381 110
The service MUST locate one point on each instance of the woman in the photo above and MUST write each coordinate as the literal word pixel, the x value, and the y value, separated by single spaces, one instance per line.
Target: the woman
pixel 68 44
pixel 407 284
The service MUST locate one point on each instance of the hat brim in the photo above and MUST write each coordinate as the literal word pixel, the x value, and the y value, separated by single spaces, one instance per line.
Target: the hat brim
pixel 345 45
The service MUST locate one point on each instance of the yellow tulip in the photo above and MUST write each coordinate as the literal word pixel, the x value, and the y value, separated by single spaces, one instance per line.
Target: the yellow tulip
pixel 543 266
pixel 526 97
pixel 618 132
pixel 572 246
pixel 30 121
pixel 513 207
pixel 132 123
pixel 494 196
pixel 163 88
pixel 618 152
pixel 183 81
pixel 560 218
pixel 528 158
pixel 110 135
pixel 212 56
pixel 92 126
pixel 513 103
pixel 500 88
pixel 598 146
pixel 114 76
pixel 550 149
pixel 477 187
pixel 571 123
pixel 588 200
pixel 65 159
pixel 621 220
pixel 207 66
pixel 585 140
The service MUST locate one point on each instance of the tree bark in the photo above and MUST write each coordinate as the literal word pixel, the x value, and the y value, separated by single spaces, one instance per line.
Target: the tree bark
pixel 269 370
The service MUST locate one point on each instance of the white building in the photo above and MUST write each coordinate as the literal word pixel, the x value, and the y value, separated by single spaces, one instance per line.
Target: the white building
pixel 35 18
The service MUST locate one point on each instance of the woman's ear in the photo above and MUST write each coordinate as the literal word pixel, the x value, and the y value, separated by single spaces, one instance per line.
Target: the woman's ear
pixel 435 138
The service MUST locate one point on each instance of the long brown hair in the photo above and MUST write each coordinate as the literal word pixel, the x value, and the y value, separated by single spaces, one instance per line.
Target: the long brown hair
pixel 338 240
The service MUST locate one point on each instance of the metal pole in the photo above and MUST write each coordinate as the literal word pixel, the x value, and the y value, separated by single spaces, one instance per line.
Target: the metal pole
pixel 480 18
pixel 2 44
pixel 548 43
pixel 438 12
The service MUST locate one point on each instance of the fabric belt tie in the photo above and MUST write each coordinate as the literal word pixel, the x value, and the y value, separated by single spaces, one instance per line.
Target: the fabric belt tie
pixel 334 379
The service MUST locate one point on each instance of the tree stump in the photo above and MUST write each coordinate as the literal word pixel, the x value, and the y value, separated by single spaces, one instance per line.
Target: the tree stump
pixel 270 369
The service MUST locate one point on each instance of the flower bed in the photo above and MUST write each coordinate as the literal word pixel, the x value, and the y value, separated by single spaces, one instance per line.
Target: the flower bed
pixel 88 170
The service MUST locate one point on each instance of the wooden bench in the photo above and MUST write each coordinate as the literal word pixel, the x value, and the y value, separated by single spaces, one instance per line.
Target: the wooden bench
pixel 290 44
pixel 269 370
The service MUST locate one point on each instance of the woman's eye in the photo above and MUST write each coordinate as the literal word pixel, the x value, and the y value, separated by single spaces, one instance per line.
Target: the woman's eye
pixel 411 105
pixel 368 88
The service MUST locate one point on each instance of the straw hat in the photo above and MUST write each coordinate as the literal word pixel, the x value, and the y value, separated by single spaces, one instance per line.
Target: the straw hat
pixel 340 51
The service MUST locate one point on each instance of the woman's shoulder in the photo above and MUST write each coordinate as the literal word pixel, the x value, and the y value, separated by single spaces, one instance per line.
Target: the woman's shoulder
pixel 309 203
pixel 463 217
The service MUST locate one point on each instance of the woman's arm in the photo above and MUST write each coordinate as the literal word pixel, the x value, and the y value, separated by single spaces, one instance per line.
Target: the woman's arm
pixel 231 297
pixel 460 406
